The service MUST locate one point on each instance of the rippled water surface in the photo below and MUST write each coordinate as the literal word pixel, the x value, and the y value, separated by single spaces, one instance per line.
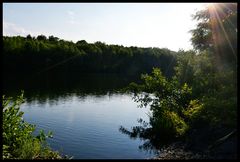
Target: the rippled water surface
pixel 84 113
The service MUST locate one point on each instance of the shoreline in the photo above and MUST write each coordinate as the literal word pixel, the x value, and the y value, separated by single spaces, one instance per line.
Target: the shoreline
pixel 185 150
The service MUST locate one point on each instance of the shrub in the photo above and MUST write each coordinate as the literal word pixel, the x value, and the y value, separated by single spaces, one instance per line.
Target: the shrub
pixel 167 99
pixel 18 139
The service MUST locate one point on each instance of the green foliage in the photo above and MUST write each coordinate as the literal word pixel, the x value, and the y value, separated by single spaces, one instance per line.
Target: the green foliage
pixel 41 37
pixel 184 70
pixel 219 111
pixel 217 31
pixel 18 140
pixel 167 100
pixel 198 71
pixel 214 86
pixel 168 124
pixel 212 111
pixel 211 101
pixel 212 72
pixel 200 95
pixel 30 55
pixel 52 38
pixel 193 111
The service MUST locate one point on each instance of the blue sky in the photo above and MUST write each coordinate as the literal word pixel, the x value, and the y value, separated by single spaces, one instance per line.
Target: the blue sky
pixel 163 25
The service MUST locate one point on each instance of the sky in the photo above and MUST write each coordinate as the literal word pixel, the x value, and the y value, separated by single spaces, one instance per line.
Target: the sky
pixel 162 25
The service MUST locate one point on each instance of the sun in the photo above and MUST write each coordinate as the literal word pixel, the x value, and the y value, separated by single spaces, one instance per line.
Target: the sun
pixel 209 5
pixel 203 6
pixel 199 6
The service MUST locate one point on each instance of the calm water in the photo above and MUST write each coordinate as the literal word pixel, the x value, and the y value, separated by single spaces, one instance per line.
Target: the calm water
pixel 84 112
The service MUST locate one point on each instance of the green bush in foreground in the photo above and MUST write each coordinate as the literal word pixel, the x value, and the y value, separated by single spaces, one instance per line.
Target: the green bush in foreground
pixel 18 140
pixel 167 101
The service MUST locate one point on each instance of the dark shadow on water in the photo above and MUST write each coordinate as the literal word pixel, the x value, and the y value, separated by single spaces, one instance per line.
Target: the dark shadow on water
pixel 57 86
pixel 153 141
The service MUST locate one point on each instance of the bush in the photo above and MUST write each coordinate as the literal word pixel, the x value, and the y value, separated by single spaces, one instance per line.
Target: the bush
pixel 169 124
pixel 218 111
pixel 18 139
pixel 212 111
pixel 193 111
pixel 167 100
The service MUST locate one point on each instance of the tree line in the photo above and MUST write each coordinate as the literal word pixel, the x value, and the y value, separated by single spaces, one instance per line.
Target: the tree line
pixel 38 54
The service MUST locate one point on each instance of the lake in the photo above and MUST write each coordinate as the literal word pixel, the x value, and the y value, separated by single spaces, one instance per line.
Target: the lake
pixel 84 112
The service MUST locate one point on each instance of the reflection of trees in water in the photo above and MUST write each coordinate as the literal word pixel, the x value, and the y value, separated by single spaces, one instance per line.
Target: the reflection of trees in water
pixel 153 140
pixel 68 97
pixel 54 87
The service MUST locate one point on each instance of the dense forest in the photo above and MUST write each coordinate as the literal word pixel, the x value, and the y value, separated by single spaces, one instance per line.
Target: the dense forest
pixel 35 55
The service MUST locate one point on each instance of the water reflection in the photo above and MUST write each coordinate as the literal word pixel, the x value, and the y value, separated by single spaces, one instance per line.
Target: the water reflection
pixel 153 141
pixel 84 112
pixel 56 87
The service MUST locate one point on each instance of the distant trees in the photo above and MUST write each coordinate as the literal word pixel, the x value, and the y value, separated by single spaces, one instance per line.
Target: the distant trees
pixel 29 36
pixel 34 55
pixel 41 37
pixel 81 42
pixel 52 38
